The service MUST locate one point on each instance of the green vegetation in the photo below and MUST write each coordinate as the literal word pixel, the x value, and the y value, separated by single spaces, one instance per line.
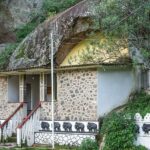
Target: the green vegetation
pixel 44 148
pixel 140 103
pixel 119 128
pixel 4 56
pixel 49 9
pixel 22 32
pixel 126 19
pixel 56 6
pixel 89 144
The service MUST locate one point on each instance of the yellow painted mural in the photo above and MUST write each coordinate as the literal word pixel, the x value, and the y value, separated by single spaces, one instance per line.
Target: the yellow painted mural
pixel 96 49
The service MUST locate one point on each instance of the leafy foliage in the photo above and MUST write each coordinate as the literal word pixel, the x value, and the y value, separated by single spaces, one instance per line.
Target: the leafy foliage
pixel 88 144
pixel 125 16
pixel 119 127
pixel 126 19
pixel 119 131
pixel 139 103
pixel 56 6
pixel 4 56
pixel 22 32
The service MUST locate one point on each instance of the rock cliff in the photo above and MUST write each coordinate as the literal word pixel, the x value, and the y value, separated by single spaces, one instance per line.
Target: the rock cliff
pixel 34 50
pixel 14 14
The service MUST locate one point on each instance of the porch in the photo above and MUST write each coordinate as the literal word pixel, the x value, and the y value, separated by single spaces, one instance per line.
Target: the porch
pixel 25 93
pixel 30 87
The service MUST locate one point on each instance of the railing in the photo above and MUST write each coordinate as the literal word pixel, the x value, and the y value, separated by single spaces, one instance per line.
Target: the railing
pixel 25 131
pixel 9 126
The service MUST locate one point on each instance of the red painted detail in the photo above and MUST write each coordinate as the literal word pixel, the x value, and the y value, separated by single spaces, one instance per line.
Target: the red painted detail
pixel 29 116
pixel 9 118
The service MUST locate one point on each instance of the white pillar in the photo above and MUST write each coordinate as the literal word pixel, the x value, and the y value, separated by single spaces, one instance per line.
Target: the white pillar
pixel 19 137
pixel 42 87
pixel 21 88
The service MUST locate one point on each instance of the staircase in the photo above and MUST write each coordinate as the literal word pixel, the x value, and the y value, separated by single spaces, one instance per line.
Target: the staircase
pixel 9 143
pixel 19 128
pixel 30 125
pixel 8 127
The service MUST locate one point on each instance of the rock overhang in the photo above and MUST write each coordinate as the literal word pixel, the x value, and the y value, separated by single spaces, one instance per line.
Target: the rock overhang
pixel 34 50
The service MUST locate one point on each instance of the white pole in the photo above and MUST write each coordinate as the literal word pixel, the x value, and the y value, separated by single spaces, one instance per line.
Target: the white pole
pixel 52 85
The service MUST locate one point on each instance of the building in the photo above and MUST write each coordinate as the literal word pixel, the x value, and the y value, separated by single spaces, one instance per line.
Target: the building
pixel 85 90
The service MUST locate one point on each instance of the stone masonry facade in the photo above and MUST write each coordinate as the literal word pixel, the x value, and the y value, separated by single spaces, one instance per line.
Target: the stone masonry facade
pixel 6 109
pixel 76 96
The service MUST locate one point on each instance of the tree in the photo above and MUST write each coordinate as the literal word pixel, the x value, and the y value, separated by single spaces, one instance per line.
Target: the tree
pixel 126 19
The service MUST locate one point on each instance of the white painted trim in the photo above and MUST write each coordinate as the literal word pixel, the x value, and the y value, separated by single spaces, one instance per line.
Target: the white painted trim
pixel 42 87
pixel 21 88
pixel 19 137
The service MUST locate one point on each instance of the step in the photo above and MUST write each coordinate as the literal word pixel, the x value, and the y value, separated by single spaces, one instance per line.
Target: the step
pixel 7 145
pixel 12 139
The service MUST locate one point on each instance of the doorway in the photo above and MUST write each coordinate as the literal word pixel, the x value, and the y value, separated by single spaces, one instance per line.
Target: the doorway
pixel 28 98
pixel 32 91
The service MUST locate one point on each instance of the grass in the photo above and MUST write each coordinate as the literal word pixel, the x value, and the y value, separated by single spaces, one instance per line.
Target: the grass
pixel 44 148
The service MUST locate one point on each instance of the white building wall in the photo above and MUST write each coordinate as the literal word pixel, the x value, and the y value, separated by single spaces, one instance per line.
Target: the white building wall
pixel 13 89
pixel 114 88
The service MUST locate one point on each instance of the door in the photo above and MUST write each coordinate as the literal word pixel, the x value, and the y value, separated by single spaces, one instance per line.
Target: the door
pixel 28 97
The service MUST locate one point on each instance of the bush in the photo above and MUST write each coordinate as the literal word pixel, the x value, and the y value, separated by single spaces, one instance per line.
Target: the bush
pixel 119 128
pixel 140 103
pixel 119 132
pixel 89 144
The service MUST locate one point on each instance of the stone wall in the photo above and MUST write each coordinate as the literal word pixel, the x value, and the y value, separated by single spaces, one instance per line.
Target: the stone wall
pixel 76 97
pixel 71 139
pixel 46 112
pixel 6 109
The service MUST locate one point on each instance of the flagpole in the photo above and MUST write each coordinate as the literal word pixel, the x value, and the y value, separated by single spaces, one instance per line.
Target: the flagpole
pixel 52 86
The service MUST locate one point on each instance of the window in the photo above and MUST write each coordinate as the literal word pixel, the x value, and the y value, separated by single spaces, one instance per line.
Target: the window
pixel 13 89
pixel 49 88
